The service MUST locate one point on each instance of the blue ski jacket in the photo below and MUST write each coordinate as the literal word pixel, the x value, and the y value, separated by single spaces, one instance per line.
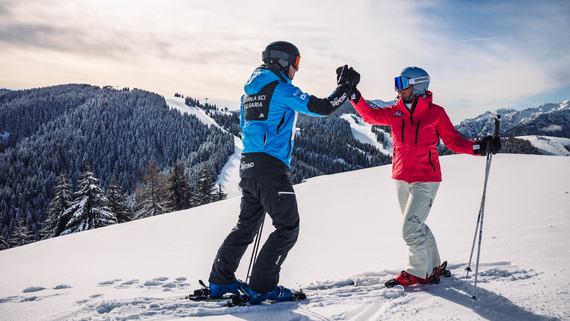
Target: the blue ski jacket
pixel 269 110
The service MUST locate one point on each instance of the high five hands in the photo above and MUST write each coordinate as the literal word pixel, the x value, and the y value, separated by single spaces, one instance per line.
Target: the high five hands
pixel 347 76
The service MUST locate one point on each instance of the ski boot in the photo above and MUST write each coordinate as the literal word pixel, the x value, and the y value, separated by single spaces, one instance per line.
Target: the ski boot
pixel 405 279
pixel 438 272
pixel 216 291
pixel 278 294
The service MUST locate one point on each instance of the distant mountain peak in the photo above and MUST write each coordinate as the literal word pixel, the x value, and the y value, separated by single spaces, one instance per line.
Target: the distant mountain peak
pixel 551 119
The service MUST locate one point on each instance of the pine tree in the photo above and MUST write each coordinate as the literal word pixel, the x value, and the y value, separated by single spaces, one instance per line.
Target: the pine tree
pixel 205 187
pixel 3 243
pixel 118 203
pixel 21 234
pixel 178 189
pixel 220 195
pixel 89 208
pixel 55 221
pixel 151 195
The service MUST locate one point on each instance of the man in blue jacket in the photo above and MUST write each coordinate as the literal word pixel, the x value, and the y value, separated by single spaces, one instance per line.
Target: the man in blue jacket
pixel 268 114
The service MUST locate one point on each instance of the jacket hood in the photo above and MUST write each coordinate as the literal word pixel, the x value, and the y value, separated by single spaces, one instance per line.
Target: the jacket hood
pixel 260 78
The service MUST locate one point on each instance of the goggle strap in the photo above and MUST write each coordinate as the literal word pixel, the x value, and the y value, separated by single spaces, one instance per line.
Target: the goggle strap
pixel 277 54
pixel 418 80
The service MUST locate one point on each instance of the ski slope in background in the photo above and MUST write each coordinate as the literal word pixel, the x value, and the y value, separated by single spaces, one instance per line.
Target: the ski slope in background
pixel 229 176
pixel 362 132
pixel 350 230
pixel 548 145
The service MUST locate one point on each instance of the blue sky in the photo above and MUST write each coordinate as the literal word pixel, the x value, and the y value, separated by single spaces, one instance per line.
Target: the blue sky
pixel 480 54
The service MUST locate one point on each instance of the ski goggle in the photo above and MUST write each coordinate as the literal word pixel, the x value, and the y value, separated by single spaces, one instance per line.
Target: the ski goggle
pixel 403 82
pixel 280 55
pixel 297 62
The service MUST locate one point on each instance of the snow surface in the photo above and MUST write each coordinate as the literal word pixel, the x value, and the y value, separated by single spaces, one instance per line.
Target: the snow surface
pixel 548 145
pixel 229 176
pixel 179 104
pixel 350 231
pixel 362 132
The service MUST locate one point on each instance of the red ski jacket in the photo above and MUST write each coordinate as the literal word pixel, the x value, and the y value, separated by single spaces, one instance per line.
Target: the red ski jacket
pixel 415 134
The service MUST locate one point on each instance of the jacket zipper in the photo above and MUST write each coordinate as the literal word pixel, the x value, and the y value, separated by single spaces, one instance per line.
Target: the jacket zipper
pixel 281 123
pixel 403 124
pixel 417 129
pixel 430 162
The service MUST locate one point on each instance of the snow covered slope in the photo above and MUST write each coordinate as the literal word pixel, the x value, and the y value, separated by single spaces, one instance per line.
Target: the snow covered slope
pixel 229 176
pixel 179 104
pixel 547 145
pixel 363 133
pixel 350 230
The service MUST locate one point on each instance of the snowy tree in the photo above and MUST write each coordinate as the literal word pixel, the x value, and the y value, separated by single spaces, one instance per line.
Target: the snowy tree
pixel 21 234
pixel 55 221
pixel 204 188
pixel 118 203
pixel 178 189
pixel 220 195
pixel 90 207
pixel 3 243
pixel 152 194
pixel 115 130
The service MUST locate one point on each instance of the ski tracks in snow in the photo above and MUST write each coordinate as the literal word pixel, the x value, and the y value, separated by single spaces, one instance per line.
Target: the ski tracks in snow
pixel 362 297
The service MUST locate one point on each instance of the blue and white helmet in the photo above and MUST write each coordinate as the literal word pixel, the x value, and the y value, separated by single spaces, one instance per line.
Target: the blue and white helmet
pixel 416 77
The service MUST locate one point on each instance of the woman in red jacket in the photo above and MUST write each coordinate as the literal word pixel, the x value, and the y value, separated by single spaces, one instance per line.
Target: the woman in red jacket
pixel 417 124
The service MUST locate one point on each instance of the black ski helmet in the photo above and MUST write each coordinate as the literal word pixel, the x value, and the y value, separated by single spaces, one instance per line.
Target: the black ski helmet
pixel 282 54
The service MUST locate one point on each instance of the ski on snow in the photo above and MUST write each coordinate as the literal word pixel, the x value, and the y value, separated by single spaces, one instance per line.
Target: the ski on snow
pixel 242 299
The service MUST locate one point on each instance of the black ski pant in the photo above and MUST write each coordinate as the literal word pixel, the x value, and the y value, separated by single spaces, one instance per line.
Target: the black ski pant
pixel 274 195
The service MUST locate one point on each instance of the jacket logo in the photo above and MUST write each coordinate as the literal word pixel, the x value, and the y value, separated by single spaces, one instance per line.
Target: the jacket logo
pixel 339 100
pixel 397 113
pixel 245 166
pixel 255 101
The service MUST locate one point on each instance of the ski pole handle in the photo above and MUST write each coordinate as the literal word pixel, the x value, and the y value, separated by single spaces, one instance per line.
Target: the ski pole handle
pixel 497 124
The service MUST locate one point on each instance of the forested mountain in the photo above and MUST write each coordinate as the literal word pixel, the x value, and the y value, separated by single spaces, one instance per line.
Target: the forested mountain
pixel 106 156
pixel 62 129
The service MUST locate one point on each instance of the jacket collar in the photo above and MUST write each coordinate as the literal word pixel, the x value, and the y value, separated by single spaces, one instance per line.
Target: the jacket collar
pixel 420 103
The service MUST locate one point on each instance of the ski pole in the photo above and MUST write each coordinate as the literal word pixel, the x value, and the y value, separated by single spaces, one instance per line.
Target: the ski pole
pixel 255 248
pixel 482 208
pixel 468 268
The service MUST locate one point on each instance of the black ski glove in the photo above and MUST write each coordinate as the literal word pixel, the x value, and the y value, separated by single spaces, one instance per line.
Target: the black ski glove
pixel 355 96
pixel 347 76
pixel 489 143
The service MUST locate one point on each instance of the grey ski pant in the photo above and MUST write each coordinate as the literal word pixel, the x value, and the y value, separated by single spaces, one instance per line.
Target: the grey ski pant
pixel 415 201
pixel 273 195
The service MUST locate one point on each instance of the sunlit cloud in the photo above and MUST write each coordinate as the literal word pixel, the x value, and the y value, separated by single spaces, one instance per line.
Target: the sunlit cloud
pixel 481 55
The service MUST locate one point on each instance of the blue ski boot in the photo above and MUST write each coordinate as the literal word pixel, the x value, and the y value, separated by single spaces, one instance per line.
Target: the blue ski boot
pixel 278 294
pixel 218 290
